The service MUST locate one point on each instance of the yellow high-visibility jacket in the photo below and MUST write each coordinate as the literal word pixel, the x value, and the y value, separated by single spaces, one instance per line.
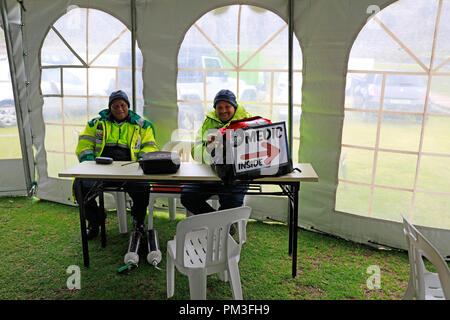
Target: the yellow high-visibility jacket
pixel 135 134
pixel 211 124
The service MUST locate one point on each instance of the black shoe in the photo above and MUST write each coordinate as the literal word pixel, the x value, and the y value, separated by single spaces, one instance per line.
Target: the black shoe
pixel 91 232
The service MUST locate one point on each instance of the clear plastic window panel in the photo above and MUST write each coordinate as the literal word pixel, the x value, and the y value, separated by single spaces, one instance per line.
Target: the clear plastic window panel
pixel 9 134
pixel 395 142
pixel 81 66
pixel 250 59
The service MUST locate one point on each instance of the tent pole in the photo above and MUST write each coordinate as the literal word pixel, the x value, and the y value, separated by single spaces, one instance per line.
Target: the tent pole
pixel 12 70
pixel 290 75
pixel 133 52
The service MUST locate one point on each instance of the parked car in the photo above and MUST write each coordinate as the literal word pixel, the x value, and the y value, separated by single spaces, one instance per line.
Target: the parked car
pixel 402 92
pixel 189 81
pixel 191 85
pixel 7 113
pixel 191 112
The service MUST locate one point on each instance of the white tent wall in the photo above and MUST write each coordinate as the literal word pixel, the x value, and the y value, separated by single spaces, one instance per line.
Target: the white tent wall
pixel 34 31
pixel 12 179
pixel 326 31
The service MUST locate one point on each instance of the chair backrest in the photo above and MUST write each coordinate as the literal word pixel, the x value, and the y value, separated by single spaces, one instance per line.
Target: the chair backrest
pixel 419 246
pixel 211 230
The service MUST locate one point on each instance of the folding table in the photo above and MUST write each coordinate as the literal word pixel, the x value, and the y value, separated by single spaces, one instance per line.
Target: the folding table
pixel 121 172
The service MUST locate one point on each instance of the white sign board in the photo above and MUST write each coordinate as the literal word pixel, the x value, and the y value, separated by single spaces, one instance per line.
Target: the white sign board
pixel 260 148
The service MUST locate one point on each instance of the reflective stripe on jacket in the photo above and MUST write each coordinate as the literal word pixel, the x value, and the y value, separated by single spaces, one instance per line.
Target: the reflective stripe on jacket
pixel 135 134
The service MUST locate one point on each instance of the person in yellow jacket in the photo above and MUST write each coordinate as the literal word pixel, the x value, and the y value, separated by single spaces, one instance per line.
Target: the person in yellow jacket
pixel 121 134
pixel 193 198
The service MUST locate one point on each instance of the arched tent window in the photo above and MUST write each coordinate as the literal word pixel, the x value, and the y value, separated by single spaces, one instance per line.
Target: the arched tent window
pixel 244 49
pixel 9 135
pixel 395 154
pixel 85 56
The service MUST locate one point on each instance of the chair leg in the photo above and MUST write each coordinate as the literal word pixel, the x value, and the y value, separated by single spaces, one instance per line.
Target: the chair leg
pixel 121 207
pixel 235 279
pixel 410 292
pixel 172 208
pixel 170 276
pixel 197 284
pixel 223 276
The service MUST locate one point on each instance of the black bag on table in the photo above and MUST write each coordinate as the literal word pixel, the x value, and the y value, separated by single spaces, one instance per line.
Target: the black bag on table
pixel 160 162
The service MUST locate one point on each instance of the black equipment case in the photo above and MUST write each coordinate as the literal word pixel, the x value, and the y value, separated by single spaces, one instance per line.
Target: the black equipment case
pixel 160 162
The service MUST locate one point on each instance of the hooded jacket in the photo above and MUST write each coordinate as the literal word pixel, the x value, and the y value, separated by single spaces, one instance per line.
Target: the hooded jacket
pixel 135 134
pixel 211 125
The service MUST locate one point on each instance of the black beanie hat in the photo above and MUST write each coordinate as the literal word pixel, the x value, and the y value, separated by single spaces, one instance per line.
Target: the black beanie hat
pixel 225 95
pixel 119 94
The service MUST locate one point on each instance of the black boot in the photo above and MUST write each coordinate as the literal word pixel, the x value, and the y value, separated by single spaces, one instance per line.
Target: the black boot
pixel 92 230
pixel 97 217
pixel 94 217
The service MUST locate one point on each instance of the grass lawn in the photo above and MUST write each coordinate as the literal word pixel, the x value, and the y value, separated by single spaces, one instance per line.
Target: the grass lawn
pixel 39 240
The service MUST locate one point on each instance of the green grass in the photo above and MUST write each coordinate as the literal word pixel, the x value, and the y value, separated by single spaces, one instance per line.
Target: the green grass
pixel 39 240
pixel 10 143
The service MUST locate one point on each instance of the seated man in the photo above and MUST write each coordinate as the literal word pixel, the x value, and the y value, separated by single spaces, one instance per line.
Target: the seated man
pixel 121 134
pixel 225 110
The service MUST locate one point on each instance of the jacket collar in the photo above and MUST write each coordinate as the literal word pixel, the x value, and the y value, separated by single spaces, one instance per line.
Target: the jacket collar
pixel 240 111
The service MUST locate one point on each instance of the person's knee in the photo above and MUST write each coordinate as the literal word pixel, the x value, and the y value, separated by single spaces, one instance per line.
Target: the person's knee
pixel 186 200
pixel 140 201
pixel 231 202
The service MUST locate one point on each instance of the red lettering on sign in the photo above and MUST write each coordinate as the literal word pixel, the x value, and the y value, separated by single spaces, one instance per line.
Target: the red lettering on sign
pixel 271 152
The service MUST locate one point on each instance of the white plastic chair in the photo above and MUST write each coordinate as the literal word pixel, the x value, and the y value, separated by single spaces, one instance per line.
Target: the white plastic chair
pixel 203 246
pixel 423 284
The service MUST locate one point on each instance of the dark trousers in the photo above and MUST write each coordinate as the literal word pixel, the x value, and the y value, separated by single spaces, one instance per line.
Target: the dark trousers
pixel 194 197
pixel 138 210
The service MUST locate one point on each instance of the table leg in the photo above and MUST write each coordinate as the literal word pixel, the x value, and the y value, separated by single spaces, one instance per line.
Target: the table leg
pixel 102 219
pixel 150 214
pixel 295 190
pixel 290 221
pixel 81 208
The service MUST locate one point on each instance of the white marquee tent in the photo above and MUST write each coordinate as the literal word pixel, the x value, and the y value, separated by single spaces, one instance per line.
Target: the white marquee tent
pixel 369 106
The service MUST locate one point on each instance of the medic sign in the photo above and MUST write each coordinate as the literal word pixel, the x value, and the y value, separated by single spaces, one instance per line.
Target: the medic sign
pixel 261 147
